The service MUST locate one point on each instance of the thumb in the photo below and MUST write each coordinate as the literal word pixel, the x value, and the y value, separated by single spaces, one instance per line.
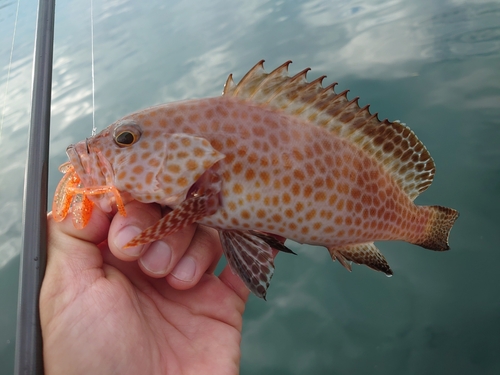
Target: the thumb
pixel 71 251
pixel 74 262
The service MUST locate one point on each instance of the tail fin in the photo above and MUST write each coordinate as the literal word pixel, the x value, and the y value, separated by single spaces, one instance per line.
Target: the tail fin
pixel 438 228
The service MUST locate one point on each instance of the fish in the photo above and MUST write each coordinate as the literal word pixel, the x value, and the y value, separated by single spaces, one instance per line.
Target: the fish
pixel 274 157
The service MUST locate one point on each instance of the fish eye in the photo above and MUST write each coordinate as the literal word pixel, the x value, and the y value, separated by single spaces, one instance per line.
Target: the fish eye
pixel 127 134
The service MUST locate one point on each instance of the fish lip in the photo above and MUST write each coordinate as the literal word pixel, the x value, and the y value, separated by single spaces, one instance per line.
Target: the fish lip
pixel 78 154
pixel 74 159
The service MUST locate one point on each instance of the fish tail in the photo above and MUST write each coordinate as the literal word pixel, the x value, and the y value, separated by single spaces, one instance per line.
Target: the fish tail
pixel 438 228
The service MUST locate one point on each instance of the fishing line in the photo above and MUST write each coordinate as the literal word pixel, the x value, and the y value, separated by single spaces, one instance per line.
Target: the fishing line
pixel 8 70
pixel 94 129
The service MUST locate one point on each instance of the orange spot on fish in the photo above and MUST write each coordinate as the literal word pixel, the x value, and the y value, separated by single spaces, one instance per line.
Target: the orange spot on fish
pixel 237 189
pixel 186 142
pixel 286 198
pixel 276 218
pixel 154 162
pixel 264 176
pixel 258 131
pixel 249 174
pixel 340 205
pixel 207 164
pixel 174 168
pixel 276 201
pixel 256 117
pixel 182 181
pixel 299 175
pixel 237 168
pixel 307 191
pixel 320 196
pixel 191 165
pixel 194 117
pixel 311 214
pixel 287 180
pixel 214 125
pixel 138 169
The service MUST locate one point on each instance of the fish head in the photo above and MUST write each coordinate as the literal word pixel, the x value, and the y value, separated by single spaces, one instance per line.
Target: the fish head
pixel 142 161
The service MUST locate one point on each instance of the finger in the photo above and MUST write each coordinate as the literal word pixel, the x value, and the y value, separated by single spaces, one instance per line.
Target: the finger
pixel 234 282
pixel 72 253
pixel 200 257
pixel 162 256
pixel 69 244
pixel 123 229
pixel 156 259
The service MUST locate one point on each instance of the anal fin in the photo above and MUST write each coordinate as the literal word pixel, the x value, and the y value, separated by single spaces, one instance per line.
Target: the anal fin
pixel 365 253
pixel 250 257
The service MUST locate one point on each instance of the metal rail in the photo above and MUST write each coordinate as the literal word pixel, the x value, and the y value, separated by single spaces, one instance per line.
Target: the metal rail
pixel 28 359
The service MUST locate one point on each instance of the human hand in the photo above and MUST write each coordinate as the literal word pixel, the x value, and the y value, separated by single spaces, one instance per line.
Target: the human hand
pixel 104 312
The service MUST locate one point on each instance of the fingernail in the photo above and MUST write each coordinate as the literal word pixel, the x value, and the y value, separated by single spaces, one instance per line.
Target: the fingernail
pixel 185 269
pixel 124 236
pixel 157 257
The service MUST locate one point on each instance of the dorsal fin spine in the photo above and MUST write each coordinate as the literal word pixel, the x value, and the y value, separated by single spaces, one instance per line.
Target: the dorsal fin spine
pixel 247 77
pixel 302 75
pixel 228 85
pixel 272 76
pixel 330 87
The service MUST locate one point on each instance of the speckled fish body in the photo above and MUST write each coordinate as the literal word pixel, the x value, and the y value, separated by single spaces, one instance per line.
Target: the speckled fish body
pixel 274 157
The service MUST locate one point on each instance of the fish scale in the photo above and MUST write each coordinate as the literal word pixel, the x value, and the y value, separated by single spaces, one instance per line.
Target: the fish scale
pixel 273 157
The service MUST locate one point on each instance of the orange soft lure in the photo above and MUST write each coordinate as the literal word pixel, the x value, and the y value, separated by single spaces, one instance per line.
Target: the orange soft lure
pixel 273 157
pixel 70 196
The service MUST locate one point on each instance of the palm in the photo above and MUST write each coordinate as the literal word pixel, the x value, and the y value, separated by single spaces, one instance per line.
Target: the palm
pixel 111 317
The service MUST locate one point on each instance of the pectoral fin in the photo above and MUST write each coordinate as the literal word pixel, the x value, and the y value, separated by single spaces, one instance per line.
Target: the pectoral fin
pixel 188 212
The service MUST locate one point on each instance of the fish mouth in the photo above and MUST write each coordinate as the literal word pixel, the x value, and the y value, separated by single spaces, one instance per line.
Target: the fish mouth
pixel 85 163
pixel 88 166
pixel 75 160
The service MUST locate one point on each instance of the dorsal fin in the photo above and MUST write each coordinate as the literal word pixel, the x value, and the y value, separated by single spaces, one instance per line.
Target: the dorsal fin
pixel 392 144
